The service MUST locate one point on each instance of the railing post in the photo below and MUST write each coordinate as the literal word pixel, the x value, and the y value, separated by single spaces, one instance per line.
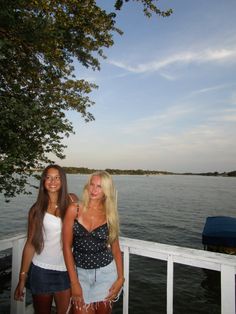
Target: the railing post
pixel 169 286
pixel 16 306
pixel 227 289
pixel 126 283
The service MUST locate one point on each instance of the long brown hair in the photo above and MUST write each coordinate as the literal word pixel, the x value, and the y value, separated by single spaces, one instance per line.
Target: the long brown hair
pixel 39 209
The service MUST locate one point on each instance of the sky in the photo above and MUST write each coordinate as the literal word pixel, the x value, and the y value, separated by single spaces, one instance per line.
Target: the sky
pixel 167 93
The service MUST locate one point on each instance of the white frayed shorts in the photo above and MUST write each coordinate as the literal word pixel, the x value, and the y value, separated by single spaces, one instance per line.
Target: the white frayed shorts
pixel 96 283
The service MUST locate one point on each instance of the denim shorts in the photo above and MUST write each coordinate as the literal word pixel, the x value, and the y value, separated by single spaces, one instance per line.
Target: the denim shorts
pixel 96 283
pixel 46 281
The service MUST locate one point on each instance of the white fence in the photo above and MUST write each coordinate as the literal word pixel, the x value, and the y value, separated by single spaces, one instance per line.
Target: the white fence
pixel 226 264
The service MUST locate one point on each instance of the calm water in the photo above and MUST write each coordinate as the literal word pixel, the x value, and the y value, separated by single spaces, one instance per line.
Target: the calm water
pixel 165 209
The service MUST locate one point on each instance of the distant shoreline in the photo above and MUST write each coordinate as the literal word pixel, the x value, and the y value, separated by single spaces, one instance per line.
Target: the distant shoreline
pixel 83 170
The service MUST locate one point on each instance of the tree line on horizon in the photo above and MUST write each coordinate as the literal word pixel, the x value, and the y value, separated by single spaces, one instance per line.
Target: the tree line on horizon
pixel 84 170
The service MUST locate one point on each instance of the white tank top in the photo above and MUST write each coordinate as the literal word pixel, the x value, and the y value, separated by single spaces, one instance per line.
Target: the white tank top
pixel 51 256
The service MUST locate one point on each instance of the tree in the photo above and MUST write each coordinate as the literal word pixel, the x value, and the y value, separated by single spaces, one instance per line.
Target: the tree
pixel 39 42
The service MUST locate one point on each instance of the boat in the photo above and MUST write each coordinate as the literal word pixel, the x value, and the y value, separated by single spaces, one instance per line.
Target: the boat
pixel 219 234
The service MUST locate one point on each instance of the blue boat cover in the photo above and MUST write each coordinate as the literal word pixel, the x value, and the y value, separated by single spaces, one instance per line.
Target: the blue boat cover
pixel 220 230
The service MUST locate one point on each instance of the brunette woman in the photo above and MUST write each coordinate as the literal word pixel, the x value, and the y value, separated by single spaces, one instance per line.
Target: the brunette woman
pixel 43 269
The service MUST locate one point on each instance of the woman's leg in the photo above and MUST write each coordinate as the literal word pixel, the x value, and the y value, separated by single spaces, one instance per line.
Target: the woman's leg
pixel 103 308
pixel 95 308
pixel 83 309
pixel 42 303
pixel 80 309
pixel 62 300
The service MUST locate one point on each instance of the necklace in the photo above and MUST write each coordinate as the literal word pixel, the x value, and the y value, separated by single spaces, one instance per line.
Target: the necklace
pixel 53 209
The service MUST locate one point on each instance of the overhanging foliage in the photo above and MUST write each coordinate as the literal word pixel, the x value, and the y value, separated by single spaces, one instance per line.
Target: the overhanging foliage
pixel 39 40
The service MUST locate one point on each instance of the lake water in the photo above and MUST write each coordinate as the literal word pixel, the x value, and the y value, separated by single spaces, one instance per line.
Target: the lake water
pixel 168 209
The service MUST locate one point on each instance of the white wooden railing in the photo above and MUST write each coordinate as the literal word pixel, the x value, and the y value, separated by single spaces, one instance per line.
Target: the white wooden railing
pixel 224 263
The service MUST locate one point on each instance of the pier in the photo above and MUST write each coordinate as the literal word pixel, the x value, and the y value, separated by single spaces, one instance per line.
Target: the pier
pixel 224 263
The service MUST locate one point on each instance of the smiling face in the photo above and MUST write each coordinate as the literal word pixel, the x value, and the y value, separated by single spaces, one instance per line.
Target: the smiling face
pixel 52 181
pixel 95 189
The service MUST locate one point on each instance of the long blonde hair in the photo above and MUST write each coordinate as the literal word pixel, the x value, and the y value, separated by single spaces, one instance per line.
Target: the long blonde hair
pixel 109 203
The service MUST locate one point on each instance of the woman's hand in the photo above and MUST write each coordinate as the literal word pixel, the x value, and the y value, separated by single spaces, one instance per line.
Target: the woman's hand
pixel 20 290
pixel 115 289
pixel 77 296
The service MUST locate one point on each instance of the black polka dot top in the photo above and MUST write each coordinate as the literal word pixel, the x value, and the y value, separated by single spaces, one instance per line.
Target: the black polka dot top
pixel 90 249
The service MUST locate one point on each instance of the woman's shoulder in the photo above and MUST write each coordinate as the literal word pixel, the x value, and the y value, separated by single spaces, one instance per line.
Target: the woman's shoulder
pixel 73 198
pixel 74 209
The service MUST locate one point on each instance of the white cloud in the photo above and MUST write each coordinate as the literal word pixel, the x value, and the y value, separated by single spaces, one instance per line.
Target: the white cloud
pixel 207 55
pixel 221 54
pixel 204 148
pixel 166 118
pixel 211 89
pixel 229 118
pixel 169 77
pixel 223 115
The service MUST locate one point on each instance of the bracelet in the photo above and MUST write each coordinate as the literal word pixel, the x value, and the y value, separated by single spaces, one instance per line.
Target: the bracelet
pixel 23 273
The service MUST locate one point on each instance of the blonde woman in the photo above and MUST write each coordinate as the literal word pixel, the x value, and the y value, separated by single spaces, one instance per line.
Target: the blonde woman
pixel 91 247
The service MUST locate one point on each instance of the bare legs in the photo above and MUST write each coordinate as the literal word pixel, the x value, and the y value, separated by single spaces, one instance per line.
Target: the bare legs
pixel 98 308
pixel 43 302
pixel 104 308
pixel 62 300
